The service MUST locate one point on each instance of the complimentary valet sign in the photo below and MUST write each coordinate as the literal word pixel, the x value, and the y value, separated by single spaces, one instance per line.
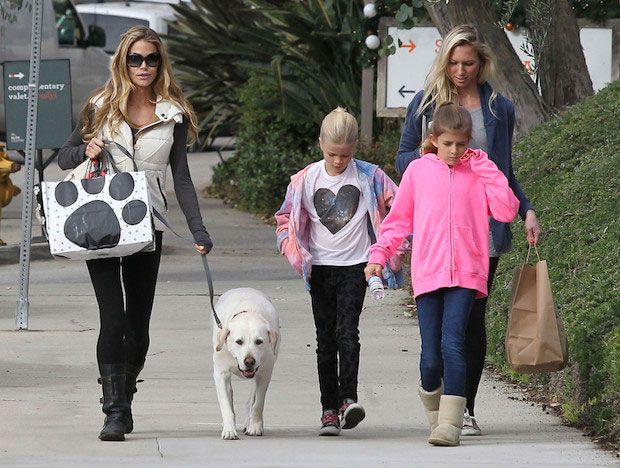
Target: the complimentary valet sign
pixel 53 109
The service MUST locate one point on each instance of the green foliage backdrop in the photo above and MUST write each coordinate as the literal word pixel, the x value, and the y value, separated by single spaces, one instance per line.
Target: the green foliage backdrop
pixel 570 169
pixel 309 50
pixel 270 148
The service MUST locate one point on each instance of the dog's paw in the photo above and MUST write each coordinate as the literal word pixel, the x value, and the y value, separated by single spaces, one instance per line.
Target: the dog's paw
pixel 229 434
pixel 254 429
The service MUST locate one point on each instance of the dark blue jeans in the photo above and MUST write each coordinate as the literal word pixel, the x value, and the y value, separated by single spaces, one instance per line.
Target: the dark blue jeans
pixel 443 316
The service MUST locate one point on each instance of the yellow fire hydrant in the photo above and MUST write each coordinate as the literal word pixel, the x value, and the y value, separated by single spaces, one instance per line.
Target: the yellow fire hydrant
pixel 7 189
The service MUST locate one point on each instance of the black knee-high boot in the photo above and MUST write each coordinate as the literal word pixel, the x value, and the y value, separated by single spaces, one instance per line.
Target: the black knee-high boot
pixel 131 372
pixel 115 405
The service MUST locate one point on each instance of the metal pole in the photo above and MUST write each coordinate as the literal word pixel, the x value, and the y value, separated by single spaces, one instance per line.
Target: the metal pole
pixel 21 316
pixel 368 76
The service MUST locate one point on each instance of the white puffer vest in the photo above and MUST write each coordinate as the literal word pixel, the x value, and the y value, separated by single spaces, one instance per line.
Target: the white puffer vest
pixel 150 149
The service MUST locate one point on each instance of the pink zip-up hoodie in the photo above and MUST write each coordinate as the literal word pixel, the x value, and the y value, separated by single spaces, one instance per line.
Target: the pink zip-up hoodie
pixel 448 210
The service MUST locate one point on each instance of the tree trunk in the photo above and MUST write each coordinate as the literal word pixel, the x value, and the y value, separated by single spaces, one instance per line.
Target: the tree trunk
pixel 562 71
pixel 512 80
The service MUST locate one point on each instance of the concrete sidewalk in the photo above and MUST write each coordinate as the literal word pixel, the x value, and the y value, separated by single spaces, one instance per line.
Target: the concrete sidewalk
pixel 49 394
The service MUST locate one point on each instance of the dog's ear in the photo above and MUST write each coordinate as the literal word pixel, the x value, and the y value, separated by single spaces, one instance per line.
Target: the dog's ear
pixel 273 337
pixel 221 338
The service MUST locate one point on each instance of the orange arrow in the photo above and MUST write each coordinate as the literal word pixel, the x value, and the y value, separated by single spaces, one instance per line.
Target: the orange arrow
pixel 409 46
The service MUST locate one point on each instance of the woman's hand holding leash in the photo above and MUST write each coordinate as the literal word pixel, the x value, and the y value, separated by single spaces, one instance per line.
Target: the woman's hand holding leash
pixel 202 249
pixel 205 246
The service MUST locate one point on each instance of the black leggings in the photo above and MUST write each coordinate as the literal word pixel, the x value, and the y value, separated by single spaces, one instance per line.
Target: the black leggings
pixel 124 332
pixel 337 298
pixel 476 341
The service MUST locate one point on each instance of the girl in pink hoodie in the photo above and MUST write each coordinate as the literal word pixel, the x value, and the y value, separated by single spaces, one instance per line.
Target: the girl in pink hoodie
pixel 445 199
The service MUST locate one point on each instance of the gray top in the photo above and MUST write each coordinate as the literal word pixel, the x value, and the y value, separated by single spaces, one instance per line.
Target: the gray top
pixel 478 132
pixel 479 141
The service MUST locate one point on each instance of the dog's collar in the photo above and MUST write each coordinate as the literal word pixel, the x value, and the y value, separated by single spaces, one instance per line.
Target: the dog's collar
pixel 238 313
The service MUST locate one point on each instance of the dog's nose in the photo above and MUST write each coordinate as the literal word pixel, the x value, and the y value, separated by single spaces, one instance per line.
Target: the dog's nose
pixel 249 362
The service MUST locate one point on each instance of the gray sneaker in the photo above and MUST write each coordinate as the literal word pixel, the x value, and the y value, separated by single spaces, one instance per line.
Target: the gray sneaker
pixel 470 426
pixel 330 424
pixel 351 414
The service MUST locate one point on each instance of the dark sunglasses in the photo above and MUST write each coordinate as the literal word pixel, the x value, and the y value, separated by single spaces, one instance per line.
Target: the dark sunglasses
pixel 135 60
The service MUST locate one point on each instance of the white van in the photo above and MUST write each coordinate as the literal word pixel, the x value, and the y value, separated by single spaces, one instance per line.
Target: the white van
pixel 117 17
pixel 63 37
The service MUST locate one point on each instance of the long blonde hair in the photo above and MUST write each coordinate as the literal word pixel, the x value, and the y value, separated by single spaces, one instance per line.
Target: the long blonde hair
pixel 339 127
pixel 438 88
pixel 448 117
pixel 115 93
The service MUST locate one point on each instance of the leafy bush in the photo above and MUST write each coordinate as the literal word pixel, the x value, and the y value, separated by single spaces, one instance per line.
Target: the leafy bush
pixel 309 50
pixel 270 148
pixel 383 151
pixel 569 168
pixel 206 69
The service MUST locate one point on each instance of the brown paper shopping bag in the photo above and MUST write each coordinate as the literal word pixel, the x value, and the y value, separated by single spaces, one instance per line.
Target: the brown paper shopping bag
pixel 535 339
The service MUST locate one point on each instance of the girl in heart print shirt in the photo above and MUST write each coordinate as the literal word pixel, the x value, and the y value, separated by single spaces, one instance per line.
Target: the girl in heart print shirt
pixel 331 214
pixel 445 199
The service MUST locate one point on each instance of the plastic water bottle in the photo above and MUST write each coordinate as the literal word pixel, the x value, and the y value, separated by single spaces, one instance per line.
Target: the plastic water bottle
pixel 375 284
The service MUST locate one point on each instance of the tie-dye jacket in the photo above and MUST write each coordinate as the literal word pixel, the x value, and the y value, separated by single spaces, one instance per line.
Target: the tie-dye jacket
pixel 293 230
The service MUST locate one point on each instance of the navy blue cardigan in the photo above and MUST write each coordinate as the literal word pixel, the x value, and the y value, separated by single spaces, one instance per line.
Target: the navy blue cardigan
pixel 499 141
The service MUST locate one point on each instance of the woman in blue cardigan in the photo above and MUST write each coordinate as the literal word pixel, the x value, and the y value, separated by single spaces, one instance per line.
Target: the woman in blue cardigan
pixel 461 74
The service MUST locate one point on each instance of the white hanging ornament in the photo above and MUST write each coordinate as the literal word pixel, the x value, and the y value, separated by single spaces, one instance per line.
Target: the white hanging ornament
pixel 372 41
pixel 370 10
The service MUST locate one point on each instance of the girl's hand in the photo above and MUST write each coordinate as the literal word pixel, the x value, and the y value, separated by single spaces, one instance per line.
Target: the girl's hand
pixel 532 227
pixel 373 269
pixel 467 154
pixel 94 148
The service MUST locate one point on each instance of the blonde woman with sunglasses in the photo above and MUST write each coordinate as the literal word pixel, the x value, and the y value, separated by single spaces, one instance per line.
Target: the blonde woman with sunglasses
pixel 142 108
pixel 464 73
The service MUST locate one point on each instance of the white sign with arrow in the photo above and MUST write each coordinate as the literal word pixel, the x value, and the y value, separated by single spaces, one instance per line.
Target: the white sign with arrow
pixel 408 67
pixel 401 75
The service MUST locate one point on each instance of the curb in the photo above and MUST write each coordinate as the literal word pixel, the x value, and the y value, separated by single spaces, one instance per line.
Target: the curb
pixel 9 254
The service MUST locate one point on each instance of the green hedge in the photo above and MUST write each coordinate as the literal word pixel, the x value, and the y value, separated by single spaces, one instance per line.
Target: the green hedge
pixel 570 169
pixel 270 148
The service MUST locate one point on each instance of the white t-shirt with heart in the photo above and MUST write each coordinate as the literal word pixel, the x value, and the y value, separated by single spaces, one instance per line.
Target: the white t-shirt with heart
pixel 338 217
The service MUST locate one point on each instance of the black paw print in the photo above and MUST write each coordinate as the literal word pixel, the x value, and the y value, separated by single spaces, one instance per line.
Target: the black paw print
pixel 94 224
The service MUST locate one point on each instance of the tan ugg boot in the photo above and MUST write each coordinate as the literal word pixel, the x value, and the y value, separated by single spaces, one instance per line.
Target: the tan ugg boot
pixel 449 421
pixel 430 401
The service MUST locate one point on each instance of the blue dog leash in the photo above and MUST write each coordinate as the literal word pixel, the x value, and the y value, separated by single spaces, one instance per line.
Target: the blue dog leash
pixel 158 215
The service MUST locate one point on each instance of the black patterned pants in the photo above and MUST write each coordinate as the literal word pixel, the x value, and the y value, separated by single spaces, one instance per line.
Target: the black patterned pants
pixel 337 298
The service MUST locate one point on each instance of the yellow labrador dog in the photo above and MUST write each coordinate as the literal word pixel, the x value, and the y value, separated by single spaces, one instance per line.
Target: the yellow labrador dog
pixel 246 346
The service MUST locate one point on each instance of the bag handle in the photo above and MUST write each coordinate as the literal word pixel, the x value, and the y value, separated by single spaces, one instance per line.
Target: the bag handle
pixel 102 165
pixel 529 250
pixel 123 150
